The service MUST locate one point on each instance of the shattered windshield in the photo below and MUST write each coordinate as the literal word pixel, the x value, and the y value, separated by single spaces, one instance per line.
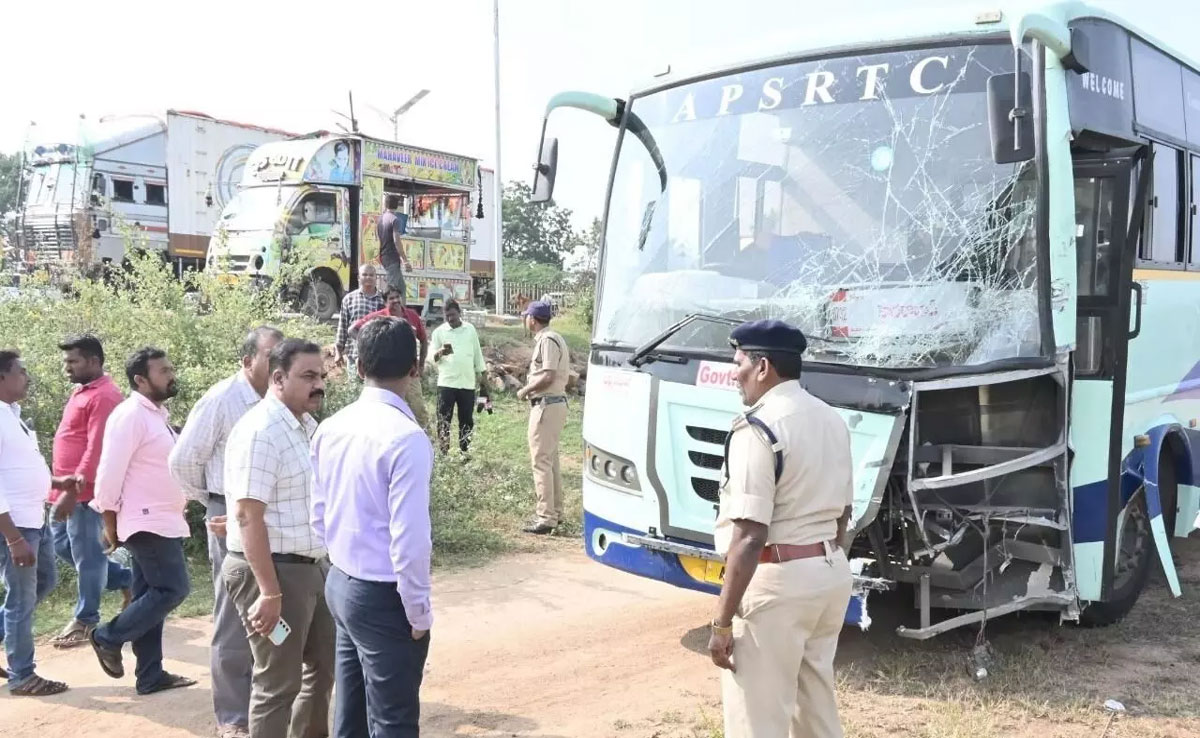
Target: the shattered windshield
pixel 855 197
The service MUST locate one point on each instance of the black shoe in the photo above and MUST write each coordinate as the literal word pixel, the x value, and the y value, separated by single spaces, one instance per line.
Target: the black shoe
pixel 168 681
pixel 110 658
pixel 539 529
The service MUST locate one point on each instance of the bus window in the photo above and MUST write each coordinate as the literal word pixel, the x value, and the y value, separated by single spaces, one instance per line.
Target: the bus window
pixel 1195 217
pixel 1162 247
pixel 1093 234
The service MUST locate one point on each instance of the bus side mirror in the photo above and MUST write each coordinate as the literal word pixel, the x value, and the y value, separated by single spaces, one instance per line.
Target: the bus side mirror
pixel 545 171
pixel 1010 117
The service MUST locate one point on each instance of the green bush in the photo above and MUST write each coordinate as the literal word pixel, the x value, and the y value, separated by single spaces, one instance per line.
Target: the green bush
pixel 199 321
pixel 477 507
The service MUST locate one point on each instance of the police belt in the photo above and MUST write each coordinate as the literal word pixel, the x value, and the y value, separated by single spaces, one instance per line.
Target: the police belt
pixel 553 400
pixel 778 553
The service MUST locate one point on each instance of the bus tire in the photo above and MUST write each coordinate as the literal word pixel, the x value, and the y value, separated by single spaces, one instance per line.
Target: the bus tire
pixel 319 299
pixel 1135 553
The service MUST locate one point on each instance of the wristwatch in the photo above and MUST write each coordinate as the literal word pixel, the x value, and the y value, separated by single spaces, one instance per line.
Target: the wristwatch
pixel 719 629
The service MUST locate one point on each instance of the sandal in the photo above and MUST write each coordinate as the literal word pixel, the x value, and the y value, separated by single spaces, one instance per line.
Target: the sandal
pixel 168 681
pixel 35 686
pixel 75 634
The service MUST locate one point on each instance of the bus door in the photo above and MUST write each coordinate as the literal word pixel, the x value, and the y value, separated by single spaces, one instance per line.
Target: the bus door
pixel 1112 538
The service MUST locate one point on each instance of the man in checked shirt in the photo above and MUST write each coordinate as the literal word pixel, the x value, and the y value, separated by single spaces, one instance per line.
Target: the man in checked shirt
pixel 356 305
pixel 197 464
pixel 276 566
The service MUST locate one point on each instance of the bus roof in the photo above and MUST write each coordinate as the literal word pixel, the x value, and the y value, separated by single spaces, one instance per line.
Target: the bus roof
pixel 952 21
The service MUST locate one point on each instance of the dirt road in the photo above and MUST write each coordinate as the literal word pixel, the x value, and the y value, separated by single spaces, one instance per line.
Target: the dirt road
pixel 552 645
pixel 545 644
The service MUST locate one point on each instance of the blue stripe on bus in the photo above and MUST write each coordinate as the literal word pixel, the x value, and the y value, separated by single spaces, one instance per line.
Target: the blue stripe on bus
pixel 1088 518
pixel 665 567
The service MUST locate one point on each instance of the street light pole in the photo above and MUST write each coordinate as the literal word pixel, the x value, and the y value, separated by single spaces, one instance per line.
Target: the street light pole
pixel 497 187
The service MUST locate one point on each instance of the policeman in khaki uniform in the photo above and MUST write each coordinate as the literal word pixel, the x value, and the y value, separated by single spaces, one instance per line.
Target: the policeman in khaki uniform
pixel 546 390
pixel 785 506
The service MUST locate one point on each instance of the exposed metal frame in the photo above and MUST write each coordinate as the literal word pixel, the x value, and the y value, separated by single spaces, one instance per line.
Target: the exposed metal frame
pixel 927 631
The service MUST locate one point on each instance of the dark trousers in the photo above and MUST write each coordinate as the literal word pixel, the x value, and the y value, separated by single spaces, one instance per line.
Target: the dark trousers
pixel 464 400
pixel 379 665
pixel 160 584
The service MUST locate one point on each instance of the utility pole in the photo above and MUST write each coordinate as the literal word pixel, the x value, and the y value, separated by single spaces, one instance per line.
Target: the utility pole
pixel 497 186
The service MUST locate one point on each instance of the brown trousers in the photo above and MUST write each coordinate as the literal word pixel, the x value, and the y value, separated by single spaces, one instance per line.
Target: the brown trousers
pixel 545 427
pixel 784 641
pixel 292 683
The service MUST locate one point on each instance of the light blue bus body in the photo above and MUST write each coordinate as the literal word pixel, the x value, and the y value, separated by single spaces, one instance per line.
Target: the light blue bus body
pixel 1008 319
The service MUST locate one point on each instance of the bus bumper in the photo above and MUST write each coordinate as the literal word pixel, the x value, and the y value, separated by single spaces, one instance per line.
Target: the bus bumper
pixel 686 564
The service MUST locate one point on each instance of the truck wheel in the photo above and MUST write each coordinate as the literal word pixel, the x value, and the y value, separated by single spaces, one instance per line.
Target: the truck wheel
pixel 318 300
pixel 1135 551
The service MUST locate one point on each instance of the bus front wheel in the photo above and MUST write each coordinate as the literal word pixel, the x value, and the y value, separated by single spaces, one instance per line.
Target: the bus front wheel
pixel 1135 551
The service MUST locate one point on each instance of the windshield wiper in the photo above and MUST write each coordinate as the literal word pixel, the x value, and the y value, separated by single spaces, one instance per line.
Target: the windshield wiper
pixel 642 353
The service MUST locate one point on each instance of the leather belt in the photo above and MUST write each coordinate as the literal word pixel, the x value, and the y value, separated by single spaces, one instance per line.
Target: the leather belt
pixel 777 553
pixel 547 400
pixel 279 558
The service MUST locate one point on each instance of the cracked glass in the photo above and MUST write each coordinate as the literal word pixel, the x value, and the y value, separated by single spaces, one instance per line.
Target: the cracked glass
pixel 855 197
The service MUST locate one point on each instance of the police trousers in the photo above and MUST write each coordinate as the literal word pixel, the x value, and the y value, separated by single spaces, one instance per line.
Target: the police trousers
pixel 546 424
pixel 785 637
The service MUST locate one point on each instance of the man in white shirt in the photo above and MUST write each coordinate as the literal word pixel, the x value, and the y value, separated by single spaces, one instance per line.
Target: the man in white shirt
pixel 197 463
pixel 276 566
pixel 27 558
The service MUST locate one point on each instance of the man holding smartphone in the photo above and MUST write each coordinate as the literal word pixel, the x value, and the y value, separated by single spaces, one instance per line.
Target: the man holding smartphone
pixel 459 360
pixel 275 568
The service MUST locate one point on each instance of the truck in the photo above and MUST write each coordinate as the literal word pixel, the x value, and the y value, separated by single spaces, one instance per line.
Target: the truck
pixel 162 179
pixel 307 210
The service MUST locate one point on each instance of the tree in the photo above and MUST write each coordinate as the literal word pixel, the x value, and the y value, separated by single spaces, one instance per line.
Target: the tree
pixel 10 177
pixel 535 232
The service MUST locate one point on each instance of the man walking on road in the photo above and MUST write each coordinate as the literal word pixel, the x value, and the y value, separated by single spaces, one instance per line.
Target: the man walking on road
pixel 372 465
pixel 389 228
pixel 76 527
pixel 395 308
pixel 27 558
pixel 275 569
pixel 785 506
pixel 143 511
pixel 357 303
pixel 460 365
pixel 198 464
pixel 546 390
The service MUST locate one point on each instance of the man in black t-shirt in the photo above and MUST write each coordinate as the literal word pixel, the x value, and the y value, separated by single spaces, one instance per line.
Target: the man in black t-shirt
pixel 389 228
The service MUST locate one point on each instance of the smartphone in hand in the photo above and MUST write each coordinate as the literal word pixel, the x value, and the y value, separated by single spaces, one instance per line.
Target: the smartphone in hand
pixel 281 632
pixel 447 349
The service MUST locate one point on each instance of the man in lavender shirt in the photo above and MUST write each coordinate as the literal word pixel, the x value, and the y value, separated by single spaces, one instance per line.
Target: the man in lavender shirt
pixel 370 508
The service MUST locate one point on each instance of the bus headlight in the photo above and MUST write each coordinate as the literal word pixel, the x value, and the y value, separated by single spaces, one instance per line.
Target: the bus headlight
pixel 610 470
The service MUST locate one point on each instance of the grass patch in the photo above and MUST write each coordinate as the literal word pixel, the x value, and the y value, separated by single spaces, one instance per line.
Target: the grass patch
pixel 480 505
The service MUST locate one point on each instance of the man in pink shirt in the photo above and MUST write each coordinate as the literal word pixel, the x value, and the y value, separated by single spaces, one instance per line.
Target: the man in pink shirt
pixel 143 511
pixel 75 526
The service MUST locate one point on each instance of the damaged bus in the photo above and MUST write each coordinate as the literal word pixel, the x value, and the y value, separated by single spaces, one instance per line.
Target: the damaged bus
pixel 986 225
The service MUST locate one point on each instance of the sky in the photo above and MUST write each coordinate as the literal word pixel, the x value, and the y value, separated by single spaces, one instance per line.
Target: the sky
pixel 253 63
